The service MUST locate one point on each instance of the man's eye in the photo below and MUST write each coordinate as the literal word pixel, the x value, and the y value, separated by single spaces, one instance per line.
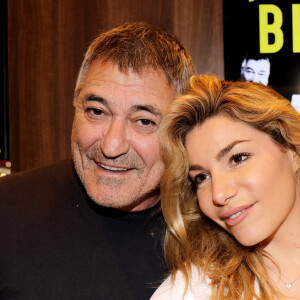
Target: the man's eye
pixel 145 122
pixel 249 71
pixel 94 111
pixel 238 158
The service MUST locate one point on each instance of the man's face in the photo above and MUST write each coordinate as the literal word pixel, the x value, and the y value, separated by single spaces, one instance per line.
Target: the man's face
pixel 257 71
pixel 115 135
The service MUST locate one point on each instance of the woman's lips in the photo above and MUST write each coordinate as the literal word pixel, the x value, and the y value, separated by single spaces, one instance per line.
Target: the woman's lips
pixel 235 216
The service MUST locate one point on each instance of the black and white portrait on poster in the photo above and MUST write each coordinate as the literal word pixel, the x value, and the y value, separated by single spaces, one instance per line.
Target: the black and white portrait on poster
pixel 262 44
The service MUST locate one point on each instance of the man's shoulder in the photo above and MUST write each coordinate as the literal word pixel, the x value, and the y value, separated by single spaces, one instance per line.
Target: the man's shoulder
pixel 33 185
pixel 37 175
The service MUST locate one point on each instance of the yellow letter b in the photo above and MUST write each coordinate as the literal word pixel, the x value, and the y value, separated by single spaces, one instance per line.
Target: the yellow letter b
pixel 265 28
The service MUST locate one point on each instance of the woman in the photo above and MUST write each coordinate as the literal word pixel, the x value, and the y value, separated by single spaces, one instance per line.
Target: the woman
pixel 230 193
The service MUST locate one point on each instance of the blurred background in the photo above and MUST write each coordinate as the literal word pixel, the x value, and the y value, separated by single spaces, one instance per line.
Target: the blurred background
pixel 46 41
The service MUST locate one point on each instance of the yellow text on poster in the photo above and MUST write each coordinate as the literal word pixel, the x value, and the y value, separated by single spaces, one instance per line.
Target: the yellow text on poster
pixel 296 27
pixel 265 28
pixel 275 28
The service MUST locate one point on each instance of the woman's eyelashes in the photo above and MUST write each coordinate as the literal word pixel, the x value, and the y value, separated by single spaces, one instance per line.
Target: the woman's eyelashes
pixel 238 158
pixel 200 178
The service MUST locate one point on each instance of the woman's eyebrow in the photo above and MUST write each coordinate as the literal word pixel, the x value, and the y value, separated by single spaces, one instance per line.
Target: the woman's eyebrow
pixel 195 168
pixel 228 148
pixel 220 155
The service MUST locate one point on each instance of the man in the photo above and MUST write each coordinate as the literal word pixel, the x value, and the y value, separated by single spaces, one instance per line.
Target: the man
pixel 256 69
pixel 96 233
pixel 295 101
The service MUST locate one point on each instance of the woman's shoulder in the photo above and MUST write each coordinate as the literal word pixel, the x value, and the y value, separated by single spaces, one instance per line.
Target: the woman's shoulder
pixel 169 290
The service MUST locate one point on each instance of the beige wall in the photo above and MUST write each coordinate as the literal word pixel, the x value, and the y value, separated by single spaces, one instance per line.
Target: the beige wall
pixel 47 40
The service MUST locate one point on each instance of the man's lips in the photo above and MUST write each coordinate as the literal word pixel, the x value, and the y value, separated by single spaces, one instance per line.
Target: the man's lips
pixel 113 168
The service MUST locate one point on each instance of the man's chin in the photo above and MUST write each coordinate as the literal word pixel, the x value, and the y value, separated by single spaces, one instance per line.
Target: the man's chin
pixel 124 200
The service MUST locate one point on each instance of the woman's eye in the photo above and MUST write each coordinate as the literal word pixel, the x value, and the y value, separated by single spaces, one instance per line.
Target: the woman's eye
pixel 238 158
pixel 200 178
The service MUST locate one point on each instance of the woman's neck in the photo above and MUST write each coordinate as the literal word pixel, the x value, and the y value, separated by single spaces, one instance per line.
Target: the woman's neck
pixel 284 248
pixel 285 241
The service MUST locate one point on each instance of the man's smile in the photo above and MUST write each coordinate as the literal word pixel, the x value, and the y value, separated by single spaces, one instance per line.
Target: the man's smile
pixel 111 168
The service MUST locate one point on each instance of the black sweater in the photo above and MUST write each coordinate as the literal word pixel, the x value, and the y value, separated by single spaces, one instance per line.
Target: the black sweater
pixel 56 243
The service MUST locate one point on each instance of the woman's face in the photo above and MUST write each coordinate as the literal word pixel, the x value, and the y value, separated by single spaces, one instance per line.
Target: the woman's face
pixel 245 182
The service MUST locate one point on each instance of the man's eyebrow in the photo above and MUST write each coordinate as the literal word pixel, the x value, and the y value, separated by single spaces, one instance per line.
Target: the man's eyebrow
pixel 149 108
pixel 93 97
pixel 228 148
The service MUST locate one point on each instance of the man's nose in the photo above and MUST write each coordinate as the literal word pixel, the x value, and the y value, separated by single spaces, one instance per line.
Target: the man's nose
pixel 223 189
pixel 256 78
pixel 115 140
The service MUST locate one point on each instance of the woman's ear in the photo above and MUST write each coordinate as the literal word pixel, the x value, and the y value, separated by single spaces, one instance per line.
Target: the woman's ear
pixel 295 160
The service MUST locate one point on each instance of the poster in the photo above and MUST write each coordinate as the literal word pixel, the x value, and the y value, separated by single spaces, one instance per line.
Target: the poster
pixel 262 43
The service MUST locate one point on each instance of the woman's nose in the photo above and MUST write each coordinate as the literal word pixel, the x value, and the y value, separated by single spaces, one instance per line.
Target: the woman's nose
pixel 223 188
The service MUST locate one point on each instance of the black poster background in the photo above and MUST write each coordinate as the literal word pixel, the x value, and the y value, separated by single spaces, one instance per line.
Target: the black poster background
pixel 241 36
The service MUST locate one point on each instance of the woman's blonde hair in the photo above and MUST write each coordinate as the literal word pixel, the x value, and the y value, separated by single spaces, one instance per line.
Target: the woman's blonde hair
pixel 192 238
